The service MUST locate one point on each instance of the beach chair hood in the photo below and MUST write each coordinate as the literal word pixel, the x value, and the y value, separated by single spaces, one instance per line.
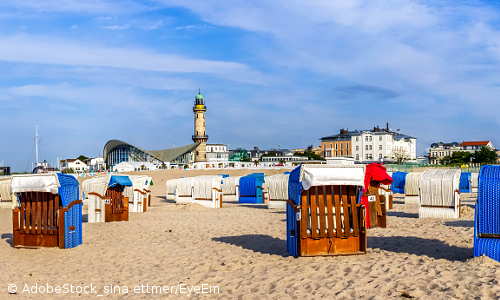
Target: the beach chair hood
pixel 316 175
pixel 376 172
pixel 47 183
pixel 121 180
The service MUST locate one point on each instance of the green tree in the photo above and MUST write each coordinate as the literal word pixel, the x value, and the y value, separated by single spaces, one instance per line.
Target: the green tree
pixel 82 157
pixel 256 163
pixel 310 155
pixel 282 161
pixel 485 155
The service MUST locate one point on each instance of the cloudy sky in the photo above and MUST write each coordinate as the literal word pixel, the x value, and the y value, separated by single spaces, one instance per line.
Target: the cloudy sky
pixel 272 72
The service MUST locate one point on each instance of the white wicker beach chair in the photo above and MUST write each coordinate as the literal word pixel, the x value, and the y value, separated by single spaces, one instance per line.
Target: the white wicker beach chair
pixel 277 190
pixel 412 185
pixel 138 201
pixel 230 188
pixel 97 187
pixel 207 191
pixel 184 190
pixel 171 185
pixel 8 199
pixel 439 194
pixel 474 182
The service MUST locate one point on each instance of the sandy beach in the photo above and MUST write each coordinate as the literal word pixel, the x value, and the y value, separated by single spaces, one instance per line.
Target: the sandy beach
pixel 241 250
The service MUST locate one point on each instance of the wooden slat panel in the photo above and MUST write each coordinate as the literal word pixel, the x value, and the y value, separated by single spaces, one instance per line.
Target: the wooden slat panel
pixel 321 201
pixel 355 222
pixel 345 205
pixel 311 194
pixel 304 214
pixel 39 200
pixel 44 213
pixel 51 214
pixel 29 213
pixel 22 214
pixel 328 195
pixel 336 208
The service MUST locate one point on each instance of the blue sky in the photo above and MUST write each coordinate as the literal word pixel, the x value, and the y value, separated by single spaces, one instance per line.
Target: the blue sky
pixel 287 72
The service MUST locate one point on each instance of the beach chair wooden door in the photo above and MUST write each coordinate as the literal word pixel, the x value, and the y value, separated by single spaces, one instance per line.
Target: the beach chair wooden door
pixel 377 208
pixel 330 221
pixel 117 208
pixel 37 221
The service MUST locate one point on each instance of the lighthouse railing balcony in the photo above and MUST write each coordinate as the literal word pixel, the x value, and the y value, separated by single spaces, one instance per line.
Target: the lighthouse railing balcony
pixel 200 137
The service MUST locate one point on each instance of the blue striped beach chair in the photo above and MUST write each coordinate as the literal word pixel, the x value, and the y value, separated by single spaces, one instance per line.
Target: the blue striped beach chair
pixel 251 187
pixel 398 184
pixel 465 182
pixel 49 212
pixel 487 214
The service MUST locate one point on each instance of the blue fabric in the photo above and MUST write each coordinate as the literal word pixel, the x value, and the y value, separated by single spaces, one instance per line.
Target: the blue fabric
pixel 465 182
pixel 224 175
pixel 68 192
pixel 487 214
pixel 294 190
pixel 120 180
pixel 399 181
pixel 249 193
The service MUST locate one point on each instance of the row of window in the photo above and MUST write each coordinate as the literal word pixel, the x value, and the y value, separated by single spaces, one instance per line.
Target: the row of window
pixel 336 146
pixel 368 138
pixel 367 156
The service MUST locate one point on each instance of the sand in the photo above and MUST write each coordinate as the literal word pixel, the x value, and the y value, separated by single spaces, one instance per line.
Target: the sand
pixel 241 249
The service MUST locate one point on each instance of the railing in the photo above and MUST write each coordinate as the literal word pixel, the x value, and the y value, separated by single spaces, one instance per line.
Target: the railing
pixel 200 136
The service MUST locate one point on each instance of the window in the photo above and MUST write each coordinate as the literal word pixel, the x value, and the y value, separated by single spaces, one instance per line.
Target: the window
pixel 347 153
pixel 347 145
pixel 324 147
pixel 366 138
pixel 379 147
pixel 357 156
pixel 366 147
pixel 370 138
pixel 341 153
pixel 341 145
pixel 357 148
pixel 357 139
pixel 380 138
pixel 366 156
pixel 196 116
pixel 331 147
pixel 336 146
pixel 370 147
pixel 336 153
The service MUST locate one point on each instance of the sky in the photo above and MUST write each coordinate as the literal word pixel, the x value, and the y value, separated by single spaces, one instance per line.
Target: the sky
pixel 273 73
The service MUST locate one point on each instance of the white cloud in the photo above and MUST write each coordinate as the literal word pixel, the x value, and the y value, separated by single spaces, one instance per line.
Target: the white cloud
pixel 53 51
pixel 117 27
pixel 78 6
pixel 153 26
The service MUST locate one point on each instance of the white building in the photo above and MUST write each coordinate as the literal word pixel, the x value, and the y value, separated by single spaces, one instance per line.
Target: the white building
pixel 382 145
pixel 95 164
pixel 77 165
pixel 217 153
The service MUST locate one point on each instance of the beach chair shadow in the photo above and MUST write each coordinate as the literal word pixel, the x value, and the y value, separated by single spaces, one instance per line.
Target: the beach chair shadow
pixel 401 214
pixel 264 244
pixel 434 248
pixel 464 223
pixel 259 206
pixel 164 199
pixel 7 237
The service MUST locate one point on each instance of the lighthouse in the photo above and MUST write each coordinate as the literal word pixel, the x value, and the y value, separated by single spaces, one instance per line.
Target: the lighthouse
pixel 200 134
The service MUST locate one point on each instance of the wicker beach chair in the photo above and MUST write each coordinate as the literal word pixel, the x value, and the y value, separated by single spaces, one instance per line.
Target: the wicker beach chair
pixel 207 191
pixel 474 182
pixel 251 190
pixel 465 185
pixel 109 198
pixel 412 184
pixel 171 185
pixel 184 190
pixel 487 214
pixel 324 214
pixel 276 190
pixel 398 184
pixel 372 199
pixel 49 213
pixel 230 188
pixel 138 201
pixel 439 194
pixel 8 199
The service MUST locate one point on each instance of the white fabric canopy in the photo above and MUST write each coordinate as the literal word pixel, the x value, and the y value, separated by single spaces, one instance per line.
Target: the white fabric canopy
pixel 318 175
pixel 35 183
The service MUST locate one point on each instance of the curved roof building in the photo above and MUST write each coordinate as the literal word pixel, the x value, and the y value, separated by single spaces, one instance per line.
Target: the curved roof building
pixel 116 151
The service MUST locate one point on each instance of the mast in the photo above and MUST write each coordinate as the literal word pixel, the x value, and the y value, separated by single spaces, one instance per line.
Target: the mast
pixel 36 143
